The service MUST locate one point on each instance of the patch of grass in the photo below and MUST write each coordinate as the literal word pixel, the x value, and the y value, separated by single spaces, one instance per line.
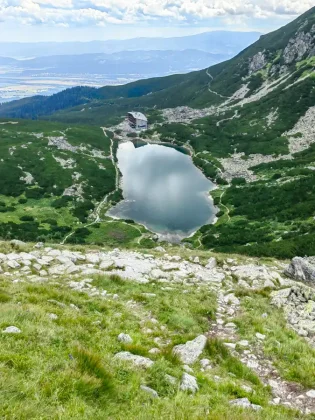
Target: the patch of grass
pixel 219 353
pixel 291 354
pixel 91 365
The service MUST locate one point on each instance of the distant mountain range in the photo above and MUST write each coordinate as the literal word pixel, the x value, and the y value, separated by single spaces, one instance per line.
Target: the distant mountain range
pixel 121 64
pixel 217 42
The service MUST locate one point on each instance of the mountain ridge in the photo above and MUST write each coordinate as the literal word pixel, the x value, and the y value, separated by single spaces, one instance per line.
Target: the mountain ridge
pixel 249 124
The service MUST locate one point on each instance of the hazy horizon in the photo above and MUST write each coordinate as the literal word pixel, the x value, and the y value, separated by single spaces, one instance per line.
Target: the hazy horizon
pixel 92 20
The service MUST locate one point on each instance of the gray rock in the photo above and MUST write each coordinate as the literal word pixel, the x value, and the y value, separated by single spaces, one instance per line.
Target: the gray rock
pixel 171 379
pixel 301 269
pixel 230 345
pixel 11 330
pixel 245 403
pixel 269 283
pixel 124 338
pixel 231 298
pixel 135 360
pixel 311 393
pixel 260 336
pixel 53 316
pixel 160 249
pixel 154 350
pixel 205 363
pixel 189 352
pixel 39 245
pixel 212 263
pixel 280 297
pixel 247 388
pixel 243 343
pixel 150 391
pixel 189 383
pixel 257 62
pixel 18 244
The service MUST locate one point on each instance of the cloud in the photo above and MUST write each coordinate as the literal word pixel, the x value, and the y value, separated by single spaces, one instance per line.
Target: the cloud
pixel 103 12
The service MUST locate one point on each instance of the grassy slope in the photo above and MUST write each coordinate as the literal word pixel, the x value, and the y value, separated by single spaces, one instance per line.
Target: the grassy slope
pixel 49 217
pixel 65 367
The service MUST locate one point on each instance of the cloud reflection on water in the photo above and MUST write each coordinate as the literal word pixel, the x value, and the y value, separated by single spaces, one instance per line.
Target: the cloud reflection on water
pixel 163 190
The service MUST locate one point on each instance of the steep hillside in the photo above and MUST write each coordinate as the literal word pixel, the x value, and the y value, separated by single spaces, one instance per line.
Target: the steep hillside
pixel 268 60
pixel 96 333
pixel 55 180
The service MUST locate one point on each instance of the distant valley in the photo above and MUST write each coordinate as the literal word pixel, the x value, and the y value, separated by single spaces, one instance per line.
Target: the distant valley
pixel 28 69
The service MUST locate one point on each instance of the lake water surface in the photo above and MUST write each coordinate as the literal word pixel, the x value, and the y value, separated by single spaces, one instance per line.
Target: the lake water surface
pixel 163 190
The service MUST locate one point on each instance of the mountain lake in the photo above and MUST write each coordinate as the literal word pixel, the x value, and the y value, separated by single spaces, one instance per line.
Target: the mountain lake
pixel 163 190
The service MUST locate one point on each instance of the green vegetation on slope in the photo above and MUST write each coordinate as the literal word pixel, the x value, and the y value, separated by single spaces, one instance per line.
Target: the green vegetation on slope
pixel 62 363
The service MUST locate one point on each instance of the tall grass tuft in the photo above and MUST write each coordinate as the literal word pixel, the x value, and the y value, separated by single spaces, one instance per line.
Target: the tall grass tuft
pixel 97 377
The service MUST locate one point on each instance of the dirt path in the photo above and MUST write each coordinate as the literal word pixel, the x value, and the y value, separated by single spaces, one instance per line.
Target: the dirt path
pixel 236 115
pixel 97 212
pixel 223 205
pixel 286 393
pixel 212 91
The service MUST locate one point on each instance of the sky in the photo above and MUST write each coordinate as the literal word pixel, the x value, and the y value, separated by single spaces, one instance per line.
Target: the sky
pixel 87 20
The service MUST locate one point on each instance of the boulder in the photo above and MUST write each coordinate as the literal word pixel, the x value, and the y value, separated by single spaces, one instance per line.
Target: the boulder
pixel 18 244
pixel 302 269
pixel 124 338
pixel 135 360
pixel 189 352
pixel 245 403
pixel 212 263
pixel 11 330
pixel 188 383
pixel 150 391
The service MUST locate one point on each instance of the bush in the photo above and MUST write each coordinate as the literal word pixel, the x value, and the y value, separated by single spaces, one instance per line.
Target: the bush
pixel 27 218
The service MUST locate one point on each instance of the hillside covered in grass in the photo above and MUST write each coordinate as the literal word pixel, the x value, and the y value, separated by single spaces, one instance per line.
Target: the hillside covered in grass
pixel 98 333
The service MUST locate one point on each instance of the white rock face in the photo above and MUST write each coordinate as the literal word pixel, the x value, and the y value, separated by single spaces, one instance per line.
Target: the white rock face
pixel 189 383
pixel 257 62
pixel 297 47
pixel 302 135
pixel 135 360
pixel 189 352
pixel 11 330
pixel 124 338
pixel 302 269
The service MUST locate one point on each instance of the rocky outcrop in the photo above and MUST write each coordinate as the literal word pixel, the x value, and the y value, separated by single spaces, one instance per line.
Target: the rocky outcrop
pixel 257 62
pixel 298 304
pixel 189 383
pixel 297 47
pixel 302 269
pixel 134 359
pixel 189 352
